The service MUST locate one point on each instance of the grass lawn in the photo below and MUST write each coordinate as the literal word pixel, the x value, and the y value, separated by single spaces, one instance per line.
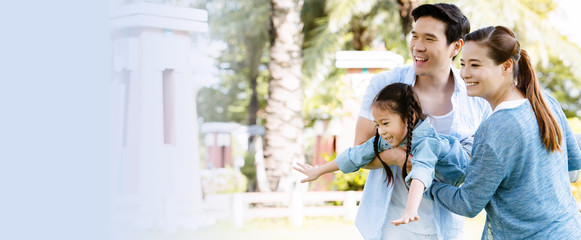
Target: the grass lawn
pixel 315 228
pixel 319 228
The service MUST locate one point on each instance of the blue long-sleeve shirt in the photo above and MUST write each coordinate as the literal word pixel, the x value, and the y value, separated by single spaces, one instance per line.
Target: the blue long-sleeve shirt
pixel 377 200
pixel 523 187
pixel 433 155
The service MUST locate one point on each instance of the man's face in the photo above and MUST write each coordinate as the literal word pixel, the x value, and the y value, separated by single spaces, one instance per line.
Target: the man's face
pixel 429 48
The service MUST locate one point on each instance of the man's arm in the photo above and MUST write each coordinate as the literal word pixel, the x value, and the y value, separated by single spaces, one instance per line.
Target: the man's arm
pixel 364 130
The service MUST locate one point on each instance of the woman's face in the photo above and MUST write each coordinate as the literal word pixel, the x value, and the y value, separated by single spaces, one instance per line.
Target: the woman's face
pixel 483 77
pixel 390 126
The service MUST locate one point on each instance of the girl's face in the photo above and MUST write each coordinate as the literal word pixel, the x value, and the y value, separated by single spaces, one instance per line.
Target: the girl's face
pixel 390 126
pixel 483 77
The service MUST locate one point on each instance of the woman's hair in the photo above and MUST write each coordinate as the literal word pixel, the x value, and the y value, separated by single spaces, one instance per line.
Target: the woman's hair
pixel 399 98
pixel 503 45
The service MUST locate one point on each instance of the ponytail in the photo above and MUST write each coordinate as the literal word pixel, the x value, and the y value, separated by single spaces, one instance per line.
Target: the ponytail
pixel 527 83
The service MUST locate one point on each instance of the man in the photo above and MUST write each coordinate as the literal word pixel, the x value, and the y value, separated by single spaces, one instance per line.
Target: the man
pixel 436 40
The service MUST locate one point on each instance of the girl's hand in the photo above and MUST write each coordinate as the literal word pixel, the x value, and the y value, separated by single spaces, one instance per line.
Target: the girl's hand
pixel 406 218
pixel 312 172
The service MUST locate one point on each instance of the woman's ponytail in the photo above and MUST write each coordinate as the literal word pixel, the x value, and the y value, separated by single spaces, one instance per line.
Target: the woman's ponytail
pixel 527 82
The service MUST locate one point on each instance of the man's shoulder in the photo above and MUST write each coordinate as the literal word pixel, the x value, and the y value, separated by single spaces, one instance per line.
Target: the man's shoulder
pixel 398 74
pixel 478 104
pixel 481 102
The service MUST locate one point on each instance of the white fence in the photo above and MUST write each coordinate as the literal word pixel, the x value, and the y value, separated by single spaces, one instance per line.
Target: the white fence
pixel 294 205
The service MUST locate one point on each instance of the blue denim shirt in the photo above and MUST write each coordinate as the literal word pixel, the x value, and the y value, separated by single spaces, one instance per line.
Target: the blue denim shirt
pixel 433 155
pixel 468 113
pixel 523 187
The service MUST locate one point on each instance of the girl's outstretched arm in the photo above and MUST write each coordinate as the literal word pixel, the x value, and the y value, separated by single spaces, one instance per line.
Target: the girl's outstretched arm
pixel 315 172
pixel 415 194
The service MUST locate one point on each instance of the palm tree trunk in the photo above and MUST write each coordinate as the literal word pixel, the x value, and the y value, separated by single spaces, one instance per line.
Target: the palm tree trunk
pixel 254 54
pixel 405 12
pixel 284 124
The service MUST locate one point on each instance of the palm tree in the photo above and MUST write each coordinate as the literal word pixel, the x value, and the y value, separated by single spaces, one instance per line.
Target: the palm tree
pixel 528 19
pixel 354 25
pixel 552 53
pixel 334 25
pixel 243 27
pixel 284 123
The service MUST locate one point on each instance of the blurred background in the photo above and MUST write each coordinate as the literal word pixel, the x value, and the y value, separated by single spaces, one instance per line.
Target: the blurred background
pixel 213 101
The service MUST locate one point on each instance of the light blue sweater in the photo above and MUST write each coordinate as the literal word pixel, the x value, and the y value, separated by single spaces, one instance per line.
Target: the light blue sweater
pixel 523 187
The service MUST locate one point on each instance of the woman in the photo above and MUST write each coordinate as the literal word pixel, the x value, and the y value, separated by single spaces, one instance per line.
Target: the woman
pixel 521 153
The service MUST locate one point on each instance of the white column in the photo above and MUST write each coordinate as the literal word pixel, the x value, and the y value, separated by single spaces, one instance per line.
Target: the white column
pixel 154 183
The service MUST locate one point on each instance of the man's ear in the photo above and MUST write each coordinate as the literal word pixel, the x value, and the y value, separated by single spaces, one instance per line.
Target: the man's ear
pixel 456 47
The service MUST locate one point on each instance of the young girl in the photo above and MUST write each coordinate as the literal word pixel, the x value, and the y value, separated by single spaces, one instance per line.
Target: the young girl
pixel 521 153
pixel 401 123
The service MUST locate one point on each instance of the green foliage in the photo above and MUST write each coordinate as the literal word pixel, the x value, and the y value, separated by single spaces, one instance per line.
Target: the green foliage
pixel 223 180
pixel 391 33
pixel 575 123
pixel 557 78
pixel 335 25
pixel 242 27
pixel 249 170
pixel 347 182
pixel 213 104
pixel 527 20
pixel 321 100
pixel 540 7
pixel 228 101
pixel 350 181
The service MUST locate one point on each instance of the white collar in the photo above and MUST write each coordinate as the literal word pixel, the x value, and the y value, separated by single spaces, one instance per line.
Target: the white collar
pixel 510 104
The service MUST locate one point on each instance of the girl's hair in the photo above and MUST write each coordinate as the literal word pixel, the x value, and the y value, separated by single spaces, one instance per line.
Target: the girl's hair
pixel 503 45
pixel 399 98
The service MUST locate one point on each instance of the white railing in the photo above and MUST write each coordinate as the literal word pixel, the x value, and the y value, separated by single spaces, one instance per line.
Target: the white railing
pixel 294 205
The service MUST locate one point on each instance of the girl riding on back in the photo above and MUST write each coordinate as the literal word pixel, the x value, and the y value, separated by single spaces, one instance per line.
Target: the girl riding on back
pixel 401 123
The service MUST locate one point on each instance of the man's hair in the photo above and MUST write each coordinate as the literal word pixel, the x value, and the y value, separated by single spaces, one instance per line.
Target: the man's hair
pixel 457 25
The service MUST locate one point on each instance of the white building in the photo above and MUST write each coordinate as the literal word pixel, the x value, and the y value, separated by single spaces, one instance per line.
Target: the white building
pixel 361 67
pixel 155 179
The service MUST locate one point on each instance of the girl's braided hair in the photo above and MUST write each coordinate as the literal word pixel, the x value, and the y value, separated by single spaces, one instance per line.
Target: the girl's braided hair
pixel 400 99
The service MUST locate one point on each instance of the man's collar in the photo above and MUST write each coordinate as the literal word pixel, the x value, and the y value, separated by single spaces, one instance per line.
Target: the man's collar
pixel 459 84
